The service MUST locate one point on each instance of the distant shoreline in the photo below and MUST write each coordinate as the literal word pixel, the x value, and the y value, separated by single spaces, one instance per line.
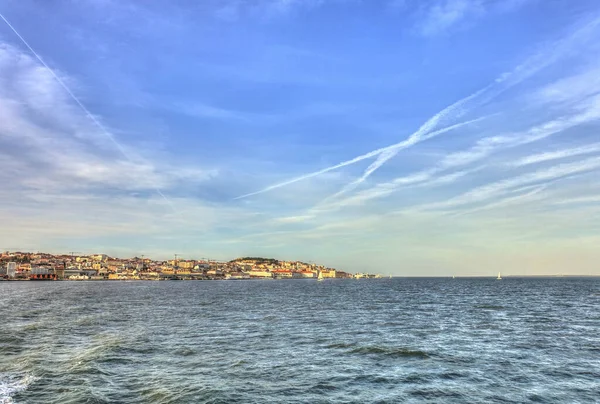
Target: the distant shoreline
pixel 302 279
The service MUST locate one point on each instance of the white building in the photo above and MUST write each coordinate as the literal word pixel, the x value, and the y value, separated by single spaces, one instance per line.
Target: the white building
pixel 260 274
pixel 11 269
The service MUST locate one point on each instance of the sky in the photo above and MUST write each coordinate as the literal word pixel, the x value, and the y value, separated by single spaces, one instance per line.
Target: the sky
pixel 404 137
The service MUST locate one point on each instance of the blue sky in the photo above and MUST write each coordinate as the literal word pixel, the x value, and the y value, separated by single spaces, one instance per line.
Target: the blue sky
pixel 397 136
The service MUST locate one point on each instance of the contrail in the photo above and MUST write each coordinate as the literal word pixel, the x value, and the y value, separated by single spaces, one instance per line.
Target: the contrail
pixel 388 151
pixel 314 174
pixel 78 102
pixel 422 134
pixel 532 65
pixel 373 153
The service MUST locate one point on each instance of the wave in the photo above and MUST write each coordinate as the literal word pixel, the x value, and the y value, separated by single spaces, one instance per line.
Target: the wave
pixel 239 363
pixel 184 351
pixel 341 345
pixel 323 386
pixel 389 351
pixel 11 385
pixel 87 320
pixel 490 307
pixel 103 348
pixel 34 326
pixel 352 348
pixel 12 344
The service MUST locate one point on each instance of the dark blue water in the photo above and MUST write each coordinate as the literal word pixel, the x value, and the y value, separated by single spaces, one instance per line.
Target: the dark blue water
pixel 347 341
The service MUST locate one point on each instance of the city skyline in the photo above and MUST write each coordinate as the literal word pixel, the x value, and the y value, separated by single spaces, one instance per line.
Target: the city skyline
pixel 437 138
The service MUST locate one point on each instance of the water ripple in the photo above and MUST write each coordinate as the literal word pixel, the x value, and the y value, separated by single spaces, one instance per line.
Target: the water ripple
pixel 378 341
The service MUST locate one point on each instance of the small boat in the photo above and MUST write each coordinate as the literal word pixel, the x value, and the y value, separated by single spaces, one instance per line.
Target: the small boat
pixel 320 277
pixel 499 278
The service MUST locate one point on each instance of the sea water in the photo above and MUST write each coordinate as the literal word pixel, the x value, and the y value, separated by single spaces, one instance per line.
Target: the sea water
pixel 301 341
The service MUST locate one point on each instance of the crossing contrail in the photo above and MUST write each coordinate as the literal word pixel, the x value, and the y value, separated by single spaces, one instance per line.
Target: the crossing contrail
pixel 387 149
pixel 539 60
pixel 423 133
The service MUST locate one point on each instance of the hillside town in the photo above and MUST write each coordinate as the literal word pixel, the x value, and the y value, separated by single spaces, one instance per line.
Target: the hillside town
pixel 44 266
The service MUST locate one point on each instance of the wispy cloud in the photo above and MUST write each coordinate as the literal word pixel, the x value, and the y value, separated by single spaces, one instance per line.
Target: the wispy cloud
pixel 515 197
pixel 431 127
pixel 570 89
pixel 593 199
pixel 558 154
pixel 421 135
pixel 500 188
pixel 39 122
pixel 233 10
pixel 441 16
pixel 433 17
pixel 422 179
pixel 206 110
pixel 383 150
pixel 588 111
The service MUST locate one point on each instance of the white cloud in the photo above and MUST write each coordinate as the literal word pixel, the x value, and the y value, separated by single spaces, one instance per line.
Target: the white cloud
pixel 587 111
pixel 441 16
pixel 444 14
pixel 63 148
pixel 233 10
pixel 570 89
pixel 294 219
pixel 558 154
pixel 549 54
pixel 499 188
pixel 515 198
pixel 579 200
pixel 424 133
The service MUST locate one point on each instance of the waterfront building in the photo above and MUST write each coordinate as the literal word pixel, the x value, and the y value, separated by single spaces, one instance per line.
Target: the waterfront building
pixel 237 275
pixel 328 273
pixel 42 273
pixel 11 269
pixel 282 273
pixel 260 274
pixel 59 270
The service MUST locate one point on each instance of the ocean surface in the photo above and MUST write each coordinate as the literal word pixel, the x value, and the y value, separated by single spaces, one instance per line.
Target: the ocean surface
pixel 301 341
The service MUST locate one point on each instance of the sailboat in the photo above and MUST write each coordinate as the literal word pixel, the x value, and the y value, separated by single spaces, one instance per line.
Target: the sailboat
pixel 320 277
pixel 499 278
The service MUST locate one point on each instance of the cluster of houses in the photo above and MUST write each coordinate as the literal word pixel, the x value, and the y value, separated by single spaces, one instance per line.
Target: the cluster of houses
pixel 43 266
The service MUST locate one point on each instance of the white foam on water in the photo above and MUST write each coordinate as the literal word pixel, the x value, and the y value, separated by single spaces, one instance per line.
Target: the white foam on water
pixel 11 385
